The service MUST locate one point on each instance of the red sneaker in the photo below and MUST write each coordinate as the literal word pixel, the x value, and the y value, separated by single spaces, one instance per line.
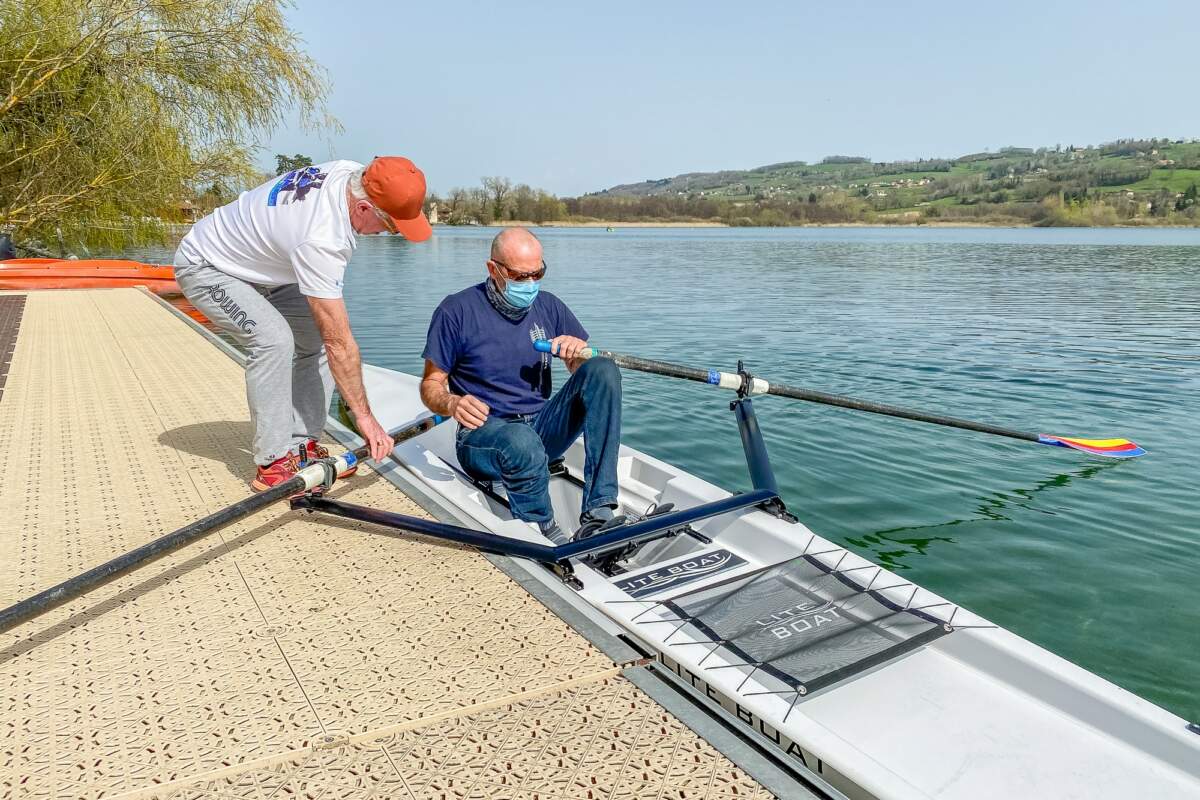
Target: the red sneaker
pixel 314 449
pixel 275 473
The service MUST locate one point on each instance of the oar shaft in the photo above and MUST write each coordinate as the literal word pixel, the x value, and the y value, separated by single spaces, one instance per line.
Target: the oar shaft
pixel 653 367
pixel 797 393
pixel 74 587
pixel 731 380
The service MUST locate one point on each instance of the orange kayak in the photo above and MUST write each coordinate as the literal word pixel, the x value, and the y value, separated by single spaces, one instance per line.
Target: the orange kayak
pixel 55 273
pixel 95 273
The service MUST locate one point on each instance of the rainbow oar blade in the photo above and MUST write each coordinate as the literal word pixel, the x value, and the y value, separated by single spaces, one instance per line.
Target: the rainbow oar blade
pixel 1109 448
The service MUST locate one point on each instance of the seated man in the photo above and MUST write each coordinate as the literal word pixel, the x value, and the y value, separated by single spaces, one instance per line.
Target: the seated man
pixel 482 369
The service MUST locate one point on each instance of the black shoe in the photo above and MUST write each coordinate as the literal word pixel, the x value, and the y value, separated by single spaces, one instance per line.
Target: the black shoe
pixel 554 533
pixel 594 525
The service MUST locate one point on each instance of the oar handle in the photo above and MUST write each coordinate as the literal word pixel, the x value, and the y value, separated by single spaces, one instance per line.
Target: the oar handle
pixel 546 346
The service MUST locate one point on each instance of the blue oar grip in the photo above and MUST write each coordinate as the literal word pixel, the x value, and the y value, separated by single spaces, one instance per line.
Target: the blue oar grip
pixel 547 346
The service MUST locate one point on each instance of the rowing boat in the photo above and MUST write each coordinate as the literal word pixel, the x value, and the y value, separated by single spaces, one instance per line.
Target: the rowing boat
pixel 871 685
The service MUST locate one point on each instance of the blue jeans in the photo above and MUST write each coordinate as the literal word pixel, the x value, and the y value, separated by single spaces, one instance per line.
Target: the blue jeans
pixel 517 451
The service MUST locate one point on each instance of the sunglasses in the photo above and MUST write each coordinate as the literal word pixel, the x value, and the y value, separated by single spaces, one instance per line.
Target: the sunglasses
pixel 385 218
pixel 521 276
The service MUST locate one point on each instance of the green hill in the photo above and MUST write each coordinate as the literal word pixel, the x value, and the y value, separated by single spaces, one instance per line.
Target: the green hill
pixel 1129 181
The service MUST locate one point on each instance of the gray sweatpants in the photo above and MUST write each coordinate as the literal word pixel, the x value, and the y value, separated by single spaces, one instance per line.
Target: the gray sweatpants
pixel 288 384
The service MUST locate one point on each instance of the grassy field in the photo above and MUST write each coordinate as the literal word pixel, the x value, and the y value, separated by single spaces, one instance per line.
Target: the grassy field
pixel 906 176
pixel 1173 180
pixel 1181 152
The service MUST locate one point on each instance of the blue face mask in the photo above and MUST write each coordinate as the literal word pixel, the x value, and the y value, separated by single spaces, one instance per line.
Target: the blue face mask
pixel 521 294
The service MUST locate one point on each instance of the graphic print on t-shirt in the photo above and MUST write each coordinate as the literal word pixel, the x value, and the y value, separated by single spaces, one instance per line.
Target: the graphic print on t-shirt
pixel 538 377
pixel 538 334
pixel 298 182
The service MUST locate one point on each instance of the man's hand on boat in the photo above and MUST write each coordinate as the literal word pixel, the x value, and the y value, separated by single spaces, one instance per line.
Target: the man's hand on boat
pixel 333 323
pixel 374 434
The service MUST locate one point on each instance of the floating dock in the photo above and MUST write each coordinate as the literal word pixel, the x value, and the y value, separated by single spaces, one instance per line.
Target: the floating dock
pixel 283 656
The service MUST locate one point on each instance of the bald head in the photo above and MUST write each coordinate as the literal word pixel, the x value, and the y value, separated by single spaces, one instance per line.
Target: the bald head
pixel 517 248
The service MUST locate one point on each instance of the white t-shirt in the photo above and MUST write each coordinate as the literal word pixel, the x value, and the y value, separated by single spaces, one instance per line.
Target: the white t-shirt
pixel 293 229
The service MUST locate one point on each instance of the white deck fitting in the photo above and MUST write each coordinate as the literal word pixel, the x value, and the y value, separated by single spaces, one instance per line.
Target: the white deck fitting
pixel 274 651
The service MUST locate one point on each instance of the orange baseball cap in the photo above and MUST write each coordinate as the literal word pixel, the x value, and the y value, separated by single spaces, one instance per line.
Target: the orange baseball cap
pixel 396 186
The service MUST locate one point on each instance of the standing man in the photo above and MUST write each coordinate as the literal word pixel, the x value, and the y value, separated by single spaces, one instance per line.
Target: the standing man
pixel 482 369
pixel 268 268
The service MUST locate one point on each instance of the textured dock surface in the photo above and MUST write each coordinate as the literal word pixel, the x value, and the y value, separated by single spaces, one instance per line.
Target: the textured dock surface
pixel 282 656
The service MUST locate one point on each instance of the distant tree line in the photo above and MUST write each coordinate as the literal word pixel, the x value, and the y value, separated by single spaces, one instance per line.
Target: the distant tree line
pixel 973 199
pixel 496 199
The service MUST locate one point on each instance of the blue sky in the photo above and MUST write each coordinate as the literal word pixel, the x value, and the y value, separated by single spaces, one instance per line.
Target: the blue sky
pixel 579 97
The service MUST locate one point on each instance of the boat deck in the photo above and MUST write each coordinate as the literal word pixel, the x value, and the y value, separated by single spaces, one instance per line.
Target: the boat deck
pixel 282 656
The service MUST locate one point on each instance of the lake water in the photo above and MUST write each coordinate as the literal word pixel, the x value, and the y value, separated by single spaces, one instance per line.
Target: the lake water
pixel 1091 333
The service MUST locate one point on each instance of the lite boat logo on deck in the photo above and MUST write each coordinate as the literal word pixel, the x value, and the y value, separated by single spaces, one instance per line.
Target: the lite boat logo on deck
pixel 799 619
pixel 677 573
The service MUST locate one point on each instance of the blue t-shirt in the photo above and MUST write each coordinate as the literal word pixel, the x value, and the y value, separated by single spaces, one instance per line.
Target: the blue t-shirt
pixel 492 357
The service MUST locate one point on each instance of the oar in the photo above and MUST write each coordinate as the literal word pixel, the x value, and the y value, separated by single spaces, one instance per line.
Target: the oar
pixel 1110 448
pixel 305 479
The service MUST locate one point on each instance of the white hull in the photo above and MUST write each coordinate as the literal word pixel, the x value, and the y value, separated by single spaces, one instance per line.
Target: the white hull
pixel 973 712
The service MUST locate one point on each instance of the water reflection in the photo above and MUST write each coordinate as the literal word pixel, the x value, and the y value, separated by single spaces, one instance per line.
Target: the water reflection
pixel 892 550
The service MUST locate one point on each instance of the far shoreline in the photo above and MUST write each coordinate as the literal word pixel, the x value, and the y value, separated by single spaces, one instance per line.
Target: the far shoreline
pixel 512 223
pixel 700 224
